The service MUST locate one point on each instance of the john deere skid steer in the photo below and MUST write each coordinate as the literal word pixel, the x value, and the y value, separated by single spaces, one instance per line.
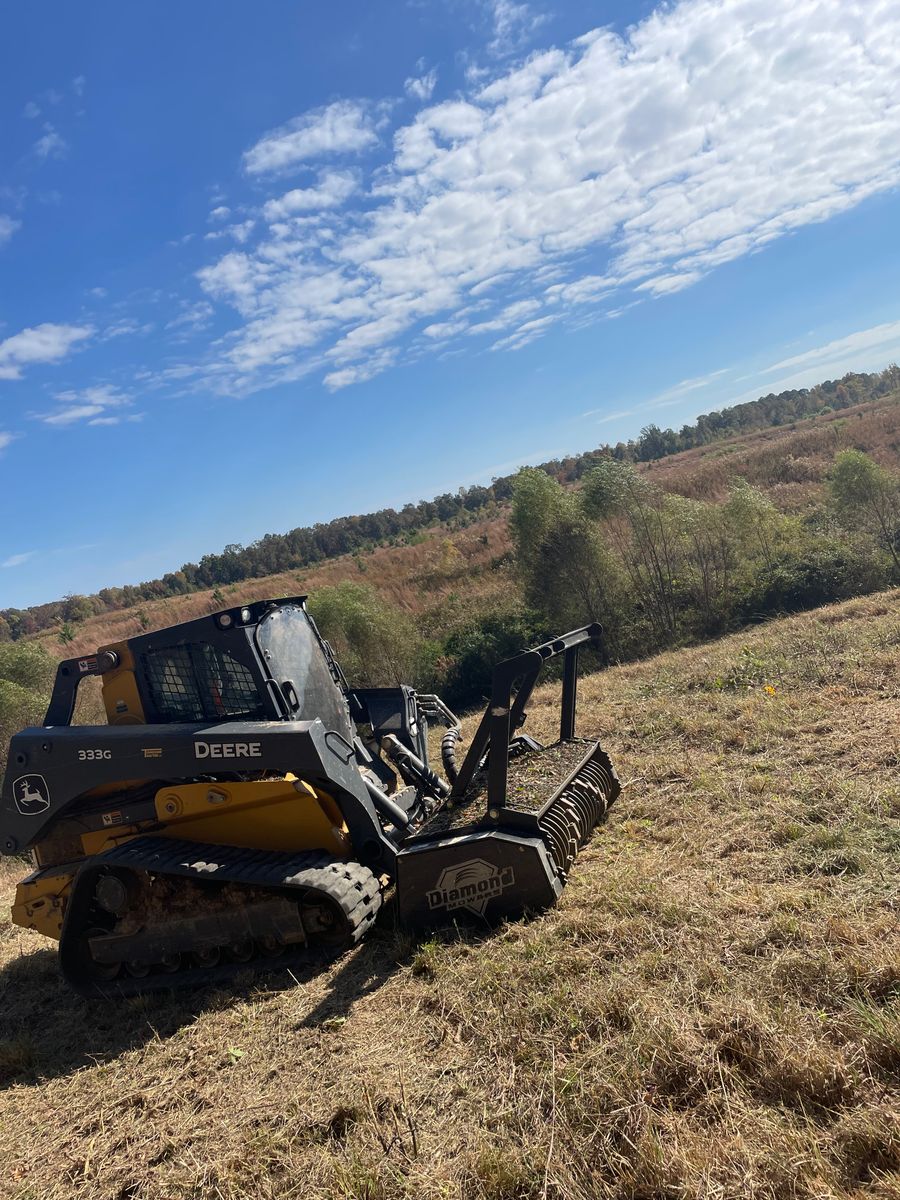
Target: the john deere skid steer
pixel 245 808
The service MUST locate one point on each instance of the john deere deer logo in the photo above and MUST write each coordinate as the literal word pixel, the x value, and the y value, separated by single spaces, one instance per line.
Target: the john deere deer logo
pixel 31 794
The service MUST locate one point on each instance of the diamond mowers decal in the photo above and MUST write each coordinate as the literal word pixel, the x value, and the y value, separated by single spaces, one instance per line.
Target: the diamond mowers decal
pixel 31 794
pixel 470 885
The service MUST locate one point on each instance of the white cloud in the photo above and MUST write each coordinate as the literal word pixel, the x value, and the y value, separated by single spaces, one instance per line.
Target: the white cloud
pixel 445 329
pixel 31 111
pixel 40 344
pixel 508 316
pixel 358 374
pixel 524 334
pixel 240 231
pixel 75 412
pixel 78 85
pixel 220 213
pixel 5 439
pixel 881 339
pixel 125 327
pixel 421 87
pixel 7 227
pixel 513 24
pixel 615 170
pixel 666 284
pixel 131 417
pixel 192 318
pixel 90 404
pixel 51 145
pixel 615 416
pixel 333 188
pixel 346 126
pixel 673 394
pixel 16 560
pixel 865 350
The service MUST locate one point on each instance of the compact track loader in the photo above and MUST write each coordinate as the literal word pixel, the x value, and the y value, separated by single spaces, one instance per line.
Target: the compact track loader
pixel 244 808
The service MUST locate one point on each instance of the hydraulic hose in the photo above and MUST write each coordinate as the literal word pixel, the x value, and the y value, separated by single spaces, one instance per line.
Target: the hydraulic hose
pixel 386 805
pixel 449 742
pixel 412 768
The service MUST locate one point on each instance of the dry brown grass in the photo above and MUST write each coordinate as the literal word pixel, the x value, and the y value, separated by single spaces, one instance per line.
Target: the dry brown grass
pixel 713 1010
pixel 790 462
pixel 414 578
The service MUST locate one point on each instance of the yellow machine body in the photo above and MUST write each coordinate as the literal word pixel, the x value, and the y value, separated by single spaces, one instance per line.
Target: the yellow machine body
pixel 272 814
pixel 41 899
pixel 121 697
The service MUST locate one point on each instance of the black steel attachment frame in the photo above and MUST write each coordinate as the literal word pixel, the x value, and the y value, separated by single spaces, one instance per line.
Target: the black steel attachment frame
pixel 506 713
pixel 69 675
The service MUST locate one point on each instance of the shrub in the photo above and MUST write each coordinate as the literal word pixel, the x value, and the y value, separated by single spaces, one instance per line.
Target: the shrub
pixel 376 643
pixel 866 496
pixel 26 679
pixel 819 573
pixel 473 651
pixel 569 574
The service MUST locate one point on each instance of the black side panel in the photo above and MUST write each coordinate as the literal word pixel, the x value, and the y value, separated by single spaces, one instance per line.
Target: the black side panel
pixel 50 769
pixel 482 876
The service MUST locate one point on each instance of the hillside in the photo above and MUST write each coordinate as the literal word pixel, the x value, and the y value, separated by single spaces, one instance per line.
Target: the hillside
pixel 712 1010
pixel 449 571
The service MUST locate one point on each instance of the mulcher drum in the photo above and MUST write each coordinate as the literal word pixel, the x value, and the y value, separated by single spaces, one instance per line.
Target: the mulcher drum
pixel 533 778
pixel 514 857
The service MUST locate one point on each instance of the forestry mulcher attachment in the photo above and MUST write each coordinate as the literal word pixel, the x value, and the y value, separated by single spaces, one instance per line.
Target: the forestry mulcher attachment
pixel 244 808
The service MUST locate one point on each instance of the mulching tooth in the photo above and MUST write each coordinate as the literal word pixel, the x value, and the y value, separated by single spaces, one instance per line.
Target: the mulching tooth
pixel 571 818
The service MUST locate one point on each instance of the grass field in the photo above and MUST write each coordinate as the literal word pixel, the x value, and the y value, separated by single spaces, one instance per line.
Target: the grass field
pixel 713 1009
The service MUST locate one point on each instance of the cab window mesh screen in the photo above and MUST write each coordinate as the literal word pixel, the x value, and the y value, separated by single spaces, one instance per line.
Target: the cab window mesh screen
pixel 173 685
pixel 229 685
pixel 199 683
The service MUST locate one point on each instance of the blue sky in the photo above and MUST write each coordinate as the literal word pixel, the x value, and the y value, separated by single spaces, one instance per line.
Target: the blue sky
pixel 263 265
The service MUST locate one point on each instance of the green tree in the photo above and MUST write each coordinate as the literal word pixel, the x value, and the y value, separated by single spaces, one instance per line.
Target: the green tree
pixel 76 608
pixel 708 561
pixel 814 571
pixel 867 496
pixel 568 573
pixel 26 679
pixel 538 504
pixel 375 643
pixel 639 523
pixel 755 523
pixel 473 650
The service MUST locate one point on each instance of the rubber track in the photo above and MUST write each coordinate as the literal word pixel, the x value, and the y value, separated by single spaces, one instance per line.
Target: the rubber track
pixel 349 884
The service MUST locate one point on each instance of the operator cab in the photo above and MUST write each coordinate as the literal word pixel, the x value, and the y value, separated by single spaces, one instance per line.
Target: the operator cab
pixel 264 661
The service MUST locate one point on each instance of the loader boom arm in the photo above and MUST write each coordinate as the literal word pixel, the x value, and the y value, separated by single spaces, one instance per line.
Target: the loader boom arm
pixel 505 714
